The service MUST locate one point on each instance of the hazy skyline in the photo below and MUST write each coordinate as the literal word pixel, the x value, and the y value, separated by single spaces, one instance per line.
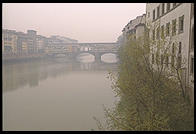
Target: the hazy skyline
pixel 85 22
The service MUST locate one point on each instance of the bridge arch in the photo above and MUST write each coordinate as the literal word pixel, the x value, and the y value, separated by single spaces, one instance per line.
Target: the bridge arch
pixel 106 60
pixel 97 55
pixel 78 54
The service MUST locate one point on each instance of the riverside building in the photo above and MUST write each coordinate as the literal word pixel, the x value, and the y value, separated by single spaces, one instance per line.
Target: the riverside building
pixel 135 28
pixel 174 22
pixel 9 42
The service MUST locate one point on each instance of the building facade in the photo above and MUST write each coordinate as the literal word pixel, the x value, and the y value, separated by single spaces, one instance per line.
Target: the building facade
pixel 173 22
pixel 134 29
pixel 9 42
pixel 22 44
pixel 31 41
pixel 41 43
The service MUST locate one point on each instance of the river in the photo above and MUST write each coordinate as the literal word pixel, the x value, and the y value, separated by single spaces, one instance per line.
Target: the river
pixel 56 95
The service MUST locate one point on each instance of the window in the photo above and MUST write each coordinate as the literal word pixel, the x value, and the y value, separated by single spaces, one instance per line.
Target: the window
pixel 173 48
pixel 9 39
pixel 158 33
pixel 157 58
pixel 192 66
pixel 174 27
pixel 174 5
pixel 172 61
pixel 180 48
pixel 168 7
pixel 147 33
pixel 163 8
pixel 173 54
pixel 179 62
pixel 161 59
pixel 153 14
pixel 7 49
pixel 162 31
pixel 181 24
pixel 158 11
pixel 153 34
pixel 167 61
pixel 152 58
pixel 167 29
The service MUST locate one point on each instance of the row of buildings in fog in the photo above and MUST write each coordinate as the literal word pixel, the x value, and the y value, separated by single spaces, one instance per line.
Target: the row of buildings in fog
pixel 19 43
pixel 168 21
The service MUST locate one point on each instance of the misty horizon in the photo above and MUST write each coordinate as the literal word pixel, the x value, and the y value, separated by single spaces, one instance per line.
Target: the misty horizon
pixel 85 22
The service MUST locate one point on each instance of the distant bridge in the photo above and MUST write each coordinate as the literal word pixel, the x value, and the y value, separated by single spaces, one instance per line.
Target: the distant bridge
pixel 75 49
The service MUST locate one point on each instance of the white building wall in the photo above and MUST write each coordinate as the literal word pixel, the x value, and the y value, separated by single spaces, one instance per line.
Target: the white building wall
pixel 183 9
pixel 140 31
pixel 174 13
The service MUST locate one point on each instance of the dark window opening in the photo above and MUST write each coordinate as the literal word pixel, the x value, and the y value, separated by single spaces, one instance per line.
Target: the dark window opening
pixel 167 29
pixel 180 47
pixel 153 14
pixel 158 11
pixel 172 61
pixel 152 58
pixel 157 58
pixel 168 7
pixel 174 27
pixel 181 24
pixel 167 61
pixel 162 31
pixel 161 59
pixel 163 8
pixel 192 66
pixel 153 34
pixel 179 61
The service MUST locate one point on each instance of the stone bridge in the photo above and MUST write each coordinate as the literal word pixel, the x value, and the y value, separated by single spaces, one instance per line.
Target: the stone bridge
pixel 75 49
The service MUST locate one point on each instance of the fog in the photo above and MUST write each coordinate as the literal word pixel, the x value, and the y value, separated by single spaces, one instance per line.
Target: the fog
pixel 85 22
pixel 61 86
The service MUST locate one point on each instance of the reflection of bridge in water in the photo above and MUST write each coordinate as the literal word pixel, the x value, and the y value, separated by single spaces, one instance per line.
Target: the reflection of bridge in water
pixel 73 50
pixel 87 66
pixel 31 73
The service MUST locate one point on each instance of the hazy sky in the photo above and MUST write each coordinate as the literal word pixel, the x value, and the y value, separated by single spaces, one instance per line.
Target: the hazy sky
pixel 85 22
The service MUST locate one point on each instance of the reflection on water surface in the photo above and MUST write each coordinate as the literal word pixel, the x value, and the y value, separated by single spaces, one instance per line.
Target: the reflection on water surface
pixel 55 95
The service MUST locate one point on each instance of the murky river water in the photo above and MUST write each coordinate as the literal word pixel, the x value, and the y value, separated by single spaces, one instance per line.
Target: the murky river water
pixel 55 94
